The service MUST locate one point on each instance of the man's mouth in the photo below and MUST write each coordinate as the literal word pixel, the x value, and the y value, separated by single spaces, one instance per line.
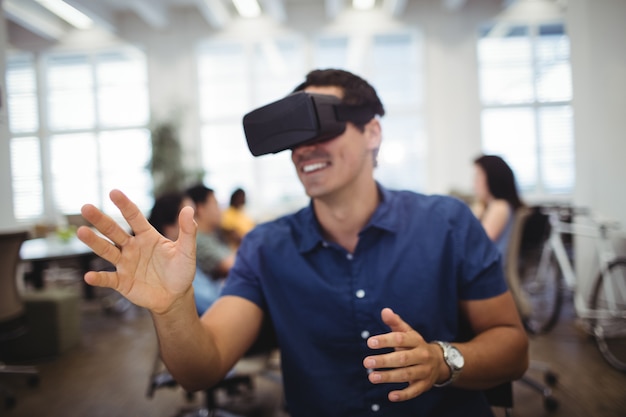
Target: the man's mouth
pixel 307 169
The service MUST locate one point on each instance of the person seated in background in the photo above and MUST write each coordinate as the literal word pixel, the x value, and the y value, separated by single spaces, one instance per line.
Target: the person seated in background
pixel 497 199
pixel 213 256
pixel 164 213
pixel 367 288
pixel 235 221
pixel 497 204
pixel 164 218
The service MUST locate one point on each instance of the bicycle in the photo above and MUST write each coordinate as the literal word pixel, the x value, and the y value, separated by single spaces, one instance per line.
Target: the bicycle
pixel 547 274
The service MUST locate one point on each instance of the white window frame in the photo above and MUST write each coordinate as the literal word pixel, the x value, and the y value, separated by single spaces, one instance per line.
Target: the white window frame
pixel 537 169
pixel 52 211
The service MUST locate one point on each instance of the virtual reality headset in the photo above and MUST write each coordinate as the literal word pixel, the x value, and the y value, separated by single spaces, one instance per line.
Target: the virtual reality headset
pixel 298 119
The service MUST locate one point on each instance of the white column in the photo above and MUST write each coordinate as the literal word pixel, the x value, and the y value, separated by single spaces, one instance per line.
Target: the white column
pixel 7 219
pixel 597 33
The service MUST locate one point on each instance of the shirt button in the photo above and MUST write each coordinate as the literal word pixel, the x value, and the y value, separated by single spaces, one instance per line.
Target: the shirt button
pixel 375 407
pixel 365 334
pixel 325 244
pixel 349 256
pixel 360 294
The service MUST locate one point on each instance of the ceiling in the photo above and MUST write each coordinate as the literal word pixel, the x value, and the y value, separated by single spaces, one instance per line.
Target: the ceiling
pixel 32 16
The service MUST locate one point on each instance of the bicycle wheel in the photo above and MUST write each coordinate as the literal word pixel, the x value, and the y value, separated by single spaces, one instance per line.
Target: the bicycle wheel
pixel 610 331
pixel 541 282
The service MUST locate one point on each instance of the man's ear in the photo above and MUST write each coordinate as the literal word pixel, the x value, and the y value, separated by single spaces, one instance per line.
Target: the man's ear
pixel 373 133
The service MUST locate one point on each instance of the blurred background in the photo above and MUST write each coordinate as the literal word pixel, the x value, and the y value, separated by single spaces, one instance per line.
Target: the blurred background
pixel 149 95
pixel 92 94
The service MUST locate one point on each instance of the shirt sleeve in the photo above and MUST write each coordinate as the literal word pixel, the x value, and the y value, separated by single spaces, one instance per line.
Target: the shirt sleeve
pixel 481 274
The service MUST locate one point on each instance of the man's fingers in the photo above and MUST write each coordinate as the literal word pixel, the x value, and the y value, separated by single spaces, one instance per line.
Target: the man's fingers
pixel 401 336
pixel 100 246
pixel 417 377
pixel 396 359
pixel 187 231
pixel 394 321
pixel 413 390
pixel 105 225
pixel 415 355
pixel 102 279
pixel 136 220
pixel 399 375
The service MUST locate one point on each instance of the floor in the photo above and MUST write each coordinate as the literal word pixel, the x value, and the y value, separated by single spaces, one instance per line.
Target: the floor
pixel 107 374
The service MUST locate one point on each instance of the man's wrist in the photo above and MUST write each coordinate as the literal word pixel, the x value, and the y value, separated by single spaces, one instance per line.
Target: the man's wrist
pixel 444 370
pixel 452 360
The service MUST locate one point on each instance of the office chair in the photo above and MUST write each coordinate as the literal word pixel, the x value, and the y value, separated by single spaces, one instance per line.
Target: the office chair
pixel 238 385
pixel 12 311
pixel 512 268
pixel 501 396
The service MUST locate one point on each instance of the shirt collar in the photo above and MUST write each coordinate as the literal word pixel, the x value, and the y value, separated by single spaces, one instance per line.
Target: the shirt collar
pixel 310 229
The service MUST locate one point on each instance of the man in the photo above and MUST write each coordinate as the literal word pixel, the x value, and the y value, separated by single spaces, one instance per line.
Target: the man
pixel 366 288
pixel 213 256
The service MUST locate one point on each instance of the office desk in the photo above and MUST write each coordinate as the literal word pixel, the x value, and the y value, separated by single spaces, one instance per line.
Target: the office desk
pixel 41 251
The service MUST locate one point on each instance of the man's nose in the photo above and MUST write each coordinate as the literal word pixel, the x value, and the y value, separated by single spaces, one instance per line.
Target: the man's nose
pixel 307 147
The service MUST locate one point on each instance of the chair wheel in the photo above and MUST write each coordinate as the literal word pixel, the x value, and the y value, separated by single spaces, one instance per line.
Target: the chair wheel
pixel 550 404
pixel 550 378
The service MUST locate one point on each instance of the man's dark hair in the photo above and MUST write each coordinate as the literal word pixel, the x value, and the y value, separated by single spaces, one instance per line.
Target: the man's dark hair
pixel 199 193
pixel 165 210
pixel 356 91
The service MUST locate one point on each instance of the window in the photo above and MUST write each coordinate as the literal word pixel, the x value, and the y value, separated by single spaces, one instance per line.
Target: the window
pixel 236 78
pixel 394 68
pixel 527 116
pixel 91 135
pixel 26 174
pixel 391 63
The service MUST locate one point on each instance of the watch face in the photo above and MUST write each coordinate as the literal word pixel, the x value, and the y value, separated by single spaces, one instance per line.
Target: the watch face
pixel 456 358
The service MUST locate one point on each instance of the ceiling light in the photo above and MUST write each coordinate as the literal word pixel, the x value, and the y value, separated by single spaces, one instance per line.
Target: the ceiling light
pixel 247 8
pixel 363 4
pixel 68 13
pixel 532 11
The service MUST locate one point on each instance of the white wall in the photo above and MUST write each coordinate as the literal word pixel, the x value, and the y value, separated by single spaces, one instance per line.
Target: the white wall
pixel 598 32
pixel 452 103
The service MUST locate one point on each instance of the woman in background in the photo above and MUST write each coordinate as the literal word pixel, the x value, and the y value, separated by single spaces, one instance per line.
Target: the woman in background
pixel 497 198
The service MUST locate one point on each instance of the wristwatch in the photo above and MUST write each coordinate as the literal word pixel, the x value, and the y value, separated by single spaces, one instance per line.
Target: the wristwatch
pixel 454 360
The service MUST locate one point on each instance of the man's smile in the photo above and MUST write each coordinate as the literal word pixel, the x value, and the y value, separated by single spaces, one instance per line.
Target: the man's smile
pixel 308 168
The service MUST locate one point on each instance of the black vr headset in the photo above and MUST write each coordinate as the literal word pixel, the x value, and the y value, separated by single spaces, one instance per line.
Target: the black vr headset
pixel 298 119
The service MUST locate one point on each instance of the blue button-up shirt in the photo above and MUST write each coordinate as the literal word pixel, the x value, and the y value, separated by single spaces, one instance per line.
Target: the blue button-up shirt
pixel 418 255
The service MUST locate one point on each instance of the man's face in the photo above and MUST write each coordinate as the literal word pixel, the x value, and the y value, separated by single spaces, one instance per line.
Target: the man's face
pixel 209 211
pixel 333 165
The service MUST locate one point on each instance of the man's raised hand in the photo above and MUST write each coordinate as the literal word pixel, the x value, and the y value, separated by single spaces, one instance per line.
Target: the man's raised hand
pixel 151 270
